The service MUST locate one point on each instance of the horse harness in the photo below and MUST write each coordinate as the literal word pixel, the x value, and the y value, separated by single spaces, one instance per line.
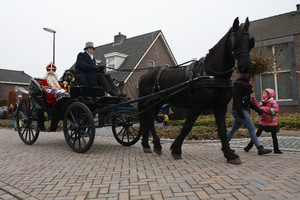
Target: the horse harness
pixel 209 82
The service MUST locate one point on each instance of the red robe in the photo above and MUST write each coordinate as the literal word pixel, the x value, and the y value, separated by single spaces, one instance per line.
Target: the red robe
pixel 50 98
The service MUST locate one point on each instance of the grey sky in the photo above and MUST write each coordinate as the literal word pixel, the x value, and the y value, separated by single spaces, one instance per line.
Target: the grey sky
pixel 191 27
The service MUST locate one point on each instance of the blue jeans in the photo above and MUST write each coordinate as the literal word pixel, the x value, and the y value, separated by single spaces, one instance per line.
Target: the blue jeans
pixel 247 122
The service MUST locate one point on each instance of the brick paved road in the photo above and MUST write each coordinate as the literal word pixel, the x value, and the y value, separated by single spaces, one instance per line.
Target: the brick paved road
pixel 50 170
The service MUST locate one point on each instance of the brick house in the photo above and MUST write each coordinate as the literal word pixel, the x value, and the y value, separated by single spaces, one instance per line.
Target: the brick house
pixel 130 55
pixel 12 80
pixel 279 38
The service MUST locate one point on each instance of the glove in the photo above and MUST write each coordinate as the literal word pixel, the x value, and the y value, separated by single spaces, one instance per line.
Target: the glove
pixel 100 68
pixel 264 103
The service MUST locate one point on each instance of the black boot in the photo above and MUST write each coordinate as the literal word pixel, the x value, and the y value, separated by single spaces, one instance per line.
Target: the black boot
pixel 262 151
pixel 277 151
pixel 249 146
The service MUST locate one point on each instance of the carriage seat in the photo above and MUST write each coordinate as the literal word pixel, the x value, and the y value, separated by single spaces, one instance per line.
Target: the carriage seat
pixel 37 92
pixel 77 88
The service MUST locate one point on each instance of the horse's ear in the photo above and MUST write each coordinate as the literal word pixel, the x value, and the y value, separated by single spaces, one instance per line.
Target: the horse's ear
pixel 235 26
pixel 247 24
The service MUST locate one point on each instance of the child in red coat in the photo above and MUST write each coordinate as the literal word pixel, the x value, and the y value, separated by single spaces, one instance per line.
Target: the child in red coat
pixel 268 121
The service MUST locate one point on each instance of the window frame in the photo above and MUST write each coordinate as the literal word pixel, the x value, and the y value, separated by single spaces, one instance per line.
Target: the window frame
pixel 152 61
pixel 289 40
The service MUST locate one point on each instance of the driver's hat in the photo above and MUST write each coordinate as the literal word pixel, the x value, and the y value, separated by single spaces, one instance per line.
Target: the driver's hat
pixel 89 45
pixel 51 67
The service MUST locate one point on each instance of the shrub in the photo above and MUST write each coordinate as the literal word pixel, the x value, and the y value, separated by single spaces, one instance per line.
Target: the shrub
pixel 3 102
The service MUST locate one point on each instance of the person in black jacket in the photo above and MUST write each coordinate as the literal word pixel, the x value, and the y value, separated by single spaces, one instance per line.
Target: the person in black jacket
pixel 240 110
pixel 92 75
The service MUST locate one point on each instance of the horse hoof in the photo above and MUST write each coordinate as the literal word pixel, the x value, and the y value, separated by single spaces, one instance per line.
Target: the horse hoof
pixel 236 161
pixel 176 156
pixel 147 150
pixel 158 151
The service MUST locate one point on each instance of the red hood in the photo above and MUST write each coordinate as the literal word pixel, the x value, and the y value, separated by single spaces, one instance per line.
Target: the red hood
pixel 271 92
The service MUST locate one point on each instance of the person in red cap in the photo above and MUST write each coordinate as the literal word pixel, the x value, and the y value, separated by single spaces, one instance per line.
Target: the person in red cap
pixel 53 90
pixel 52 86
pixel 90 74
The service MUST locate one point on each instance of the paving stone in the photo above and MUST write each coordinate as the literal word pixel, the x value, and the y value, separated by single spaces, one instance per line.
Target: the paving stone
pixel 49 169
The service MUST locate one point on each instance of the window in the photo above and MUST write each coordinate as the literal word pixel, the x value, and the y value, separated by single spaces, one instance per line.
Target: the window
pixel 114 60
pixel 150 63
pixel 282 78
pixel 279 79
pixel 110 63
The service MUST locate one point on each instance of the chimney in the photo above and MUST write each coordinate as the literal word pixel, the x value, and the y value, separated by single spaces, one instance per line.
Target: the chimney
pixel 298 8
pixel 119 38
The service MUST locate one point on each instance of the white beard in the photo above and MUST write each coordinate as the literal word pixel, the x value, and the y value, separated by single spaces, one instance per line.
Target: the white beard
pixel 52 81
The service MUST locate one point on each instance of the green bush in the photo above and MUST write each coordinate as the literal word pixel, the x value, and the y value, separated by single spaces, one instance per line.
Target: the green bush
pixel 3 102
pixel 285 121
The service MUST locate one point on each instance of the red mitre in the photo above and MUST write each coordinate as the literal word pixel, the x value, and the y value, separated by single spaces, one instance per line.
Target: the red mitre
pixel 51 68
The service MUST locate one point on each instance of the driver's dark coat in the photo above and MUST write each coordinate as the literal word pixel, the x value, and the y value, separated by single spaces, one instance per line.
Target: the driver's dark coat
pixel 85 70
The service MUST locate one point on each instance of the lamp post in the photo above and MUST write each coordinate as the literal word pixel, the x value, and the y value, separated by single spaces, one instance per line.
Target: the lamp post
pixel 52 31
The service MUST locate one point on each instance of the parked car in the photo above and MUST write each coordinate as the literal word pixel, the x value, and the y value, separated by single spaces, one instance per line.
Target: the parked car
pixel 3 112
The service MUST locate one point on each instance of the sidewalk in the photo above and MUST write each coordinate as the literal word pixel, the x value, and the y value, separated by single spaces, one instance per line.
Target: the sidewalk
pixel 49 169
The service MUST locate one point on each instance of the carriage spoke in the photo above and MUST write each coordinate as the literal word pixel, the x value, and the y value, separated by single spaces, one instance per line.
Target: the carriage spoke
pixel 23 131
pixel 73 117
pixel 134 129
pixel 129 130
pixel 30 133
pixel 70 122
pixel 124 133
pixel 83 139
pixel 127 134
pixel 121 131
pixel 26 134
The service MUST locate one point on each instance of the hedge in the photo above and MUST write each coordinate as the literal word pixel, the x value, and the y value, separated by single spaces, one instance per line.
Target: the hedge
pixel 286 121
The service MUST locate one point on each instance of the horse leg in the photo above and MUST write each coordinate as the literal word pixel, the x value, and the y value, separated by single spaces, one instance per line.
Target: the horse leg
pixel 220 115
pixel 156 140
pixel 187 127
pixel 144 128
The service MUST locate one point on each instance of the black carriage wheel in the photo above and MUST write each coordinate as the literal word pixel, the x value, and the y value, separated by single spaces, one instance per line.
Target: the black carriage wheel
pixel 79 127
pixel 26 121
pixel 125 130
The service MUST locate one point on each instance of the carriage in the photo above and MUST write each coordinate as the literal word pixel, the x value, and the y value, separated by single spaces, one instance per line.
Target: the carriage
pixel 84 110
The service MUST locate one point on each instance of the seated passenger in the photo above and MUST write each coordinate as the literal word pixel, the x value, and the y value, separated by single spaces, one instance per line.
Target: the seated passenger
pixel 52 86
pixel 54 92
pixel 92 75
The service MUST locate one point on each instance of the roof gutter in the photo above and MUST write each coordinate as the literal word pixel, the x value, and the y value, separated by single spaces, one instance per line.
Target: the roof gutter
pixel 14 83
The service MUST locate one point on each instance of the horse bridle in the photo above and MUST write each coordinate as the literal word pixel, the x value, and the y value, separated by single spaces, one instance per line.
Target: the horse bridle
pixel 232 39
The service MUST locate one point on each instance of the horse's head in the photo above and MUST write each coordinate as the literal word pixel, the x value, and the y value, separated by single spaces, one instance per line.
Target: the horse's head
pixel 240 45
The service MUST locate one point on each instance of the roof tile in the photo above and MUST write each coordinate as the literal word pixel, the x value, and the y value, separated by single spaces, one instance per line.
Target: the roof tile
pixel 276 26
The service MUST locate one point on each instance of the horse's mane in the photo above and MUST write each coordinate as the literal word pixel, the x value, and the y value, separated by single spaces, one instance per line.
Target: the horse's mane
pixel 217 50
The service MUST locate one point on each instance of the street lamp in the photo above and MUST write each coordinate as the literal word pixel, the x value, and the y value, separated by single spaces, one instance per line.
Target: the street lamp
pixel 52 31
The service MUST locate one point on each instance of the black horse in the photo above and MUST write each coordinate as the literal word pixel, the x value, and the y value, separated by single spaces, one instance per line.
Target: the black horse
pixel 215 93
